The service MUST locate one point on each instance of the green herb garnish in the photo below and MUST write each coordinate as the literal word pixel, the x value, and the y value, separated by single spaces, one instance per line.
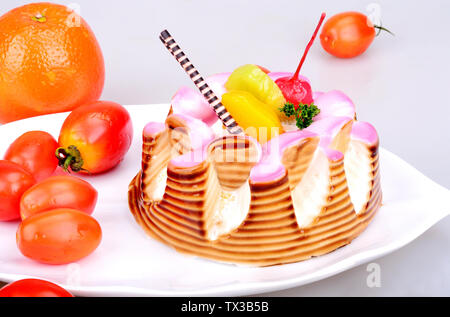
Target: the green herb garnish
pixel 303 113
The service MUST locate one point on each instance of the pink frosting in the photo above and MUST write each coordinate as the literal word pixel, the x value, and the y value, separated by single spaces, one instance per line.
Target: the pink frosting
pixel 276 146
pixel 153 128
pixel 334 103
pixel 190 159
pixel 364 132
pixel 316 94
pixel 217 83
pixel 199 132
pixel 267 171
pixel 191 102
pixel 328 126
pixel 200 135
pixel 270 166
pixel 277 75
pixel 332 155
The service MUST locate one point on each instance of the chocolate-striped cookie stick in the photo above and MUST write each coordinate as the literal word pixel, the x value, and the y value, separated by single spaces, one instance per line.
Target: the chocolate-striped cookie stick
pixel 201 84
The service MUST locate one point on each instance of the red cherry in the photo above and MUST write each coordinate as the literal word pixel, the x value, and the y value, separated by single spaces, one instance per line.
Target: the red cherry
pixel 294 89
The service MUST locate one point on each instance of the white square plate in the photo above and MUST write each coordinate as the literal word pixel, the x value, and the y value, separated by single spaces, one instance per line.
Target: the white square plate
pixel 129 263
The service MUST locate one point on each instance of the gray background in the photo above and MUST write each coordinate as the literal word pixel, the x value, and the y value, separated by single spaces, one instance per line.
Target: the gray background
pixel 401 85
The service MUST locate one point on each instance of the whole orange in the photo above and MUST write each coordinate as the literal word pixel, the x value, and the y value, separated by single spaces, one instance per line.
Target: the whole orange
pixel 50 61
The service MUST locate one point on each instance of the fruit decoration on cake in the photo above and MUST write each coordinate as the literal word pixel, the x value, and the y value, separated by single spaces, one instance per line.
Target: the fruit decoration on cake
pixel 287 173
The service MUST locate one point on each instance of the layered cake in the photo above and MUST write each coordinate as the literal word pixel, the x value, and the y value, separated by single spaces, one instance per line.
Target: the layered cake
pixel 300 180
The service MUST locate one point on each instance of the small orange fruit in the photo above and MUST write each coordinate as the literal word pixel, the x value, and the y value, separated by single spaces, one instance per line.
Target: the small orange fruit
pixel 50 61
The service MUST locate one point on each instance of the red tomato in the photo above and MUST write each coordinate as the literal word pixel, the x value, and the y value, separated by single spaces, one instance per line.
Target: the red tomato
pixel 33 288
pixel 35 152
pixel 14 181
pixel 58 236
pixel 58 192
pixel 347 34
pixel 95 137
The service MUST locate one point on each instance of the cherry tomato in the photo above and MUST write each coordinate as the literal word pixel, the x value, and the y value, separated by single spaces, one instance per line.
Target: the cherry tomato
pixel 14 181
pixel 95 137
pixel 35 152
pixel 58 192
pixel 33 288
pixel 58 236
pixel 347 34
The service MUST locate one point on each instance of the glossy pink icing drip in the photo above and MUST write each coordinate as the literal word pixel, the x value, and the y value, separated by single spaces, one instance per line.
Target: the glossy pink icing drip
pixel 200 135
pixel 190 159
pixel 217 83
pixel 199 132
pixel 270 166
pixel 266 171
pixel 331 154
pixel 328 126
pixel 276 146
pixel 153 128
pixel 333 103
pixel 191 102
pixel 364 132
